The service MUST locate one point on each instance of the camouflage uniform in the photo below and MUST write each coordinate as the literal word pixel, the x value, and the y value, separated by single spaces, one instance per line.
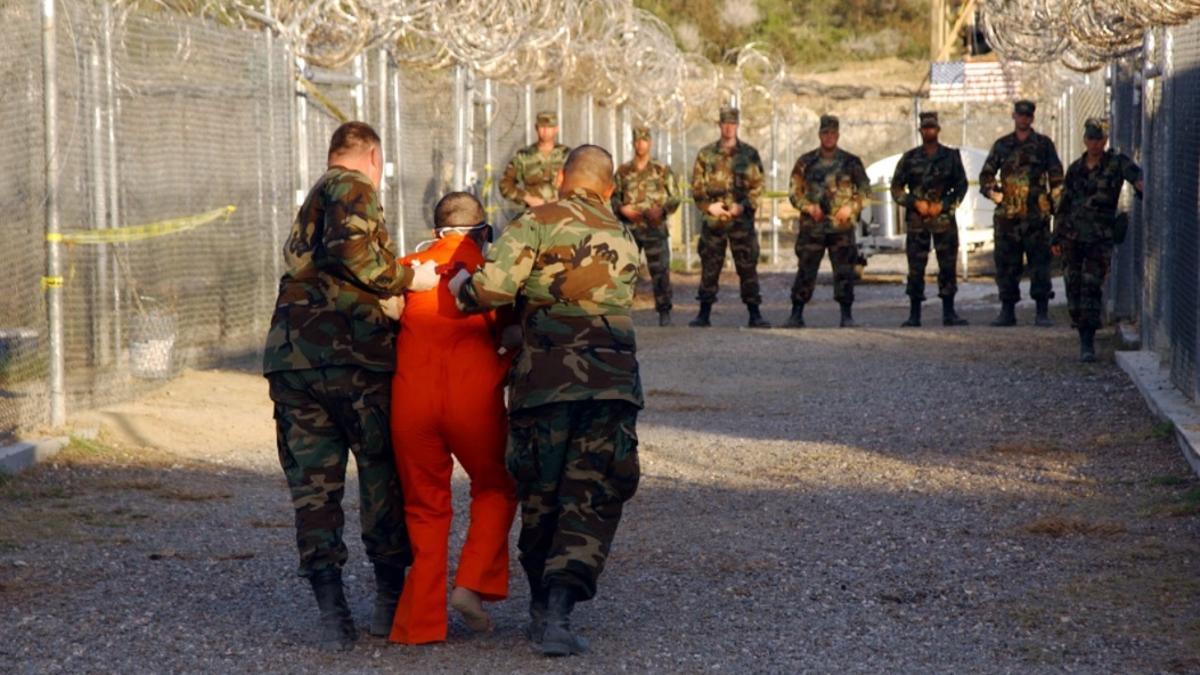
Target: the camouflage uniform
pixel 731 177
pixel 574 390
pixel 939 178
pixel 831 183
pixel 1083 226
pixel 1030 178
pixel 653 185
pixel 531 172
pixel 329 356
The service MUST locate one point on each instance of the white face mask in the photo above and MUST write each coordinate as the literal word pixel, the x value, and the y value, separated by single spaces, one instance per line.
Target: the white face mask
pixel 441 231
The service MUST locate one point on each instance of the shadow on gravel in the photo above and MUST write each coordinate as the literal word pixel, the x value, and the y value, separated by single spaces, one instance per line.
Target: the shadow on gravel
pixel 138 561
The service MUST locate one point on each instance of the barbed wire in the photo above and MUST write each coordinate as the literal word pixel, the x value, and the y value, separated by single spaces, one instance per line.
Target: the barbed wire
pixel 1082 34
pixel 610 49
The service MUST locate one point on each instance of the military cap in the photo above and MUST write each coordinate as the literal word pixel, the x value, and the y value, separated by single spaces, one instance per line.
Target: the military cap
pixel 547 118
pixel 729 114
pixel 1095 128
pixel 641 132
pixel 1024 107
pixel 930 120
pixel 829 123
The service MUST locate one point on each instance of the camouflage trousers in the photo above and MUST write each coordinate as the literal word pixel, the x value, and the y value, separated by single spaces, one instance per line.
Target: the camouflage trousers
pixel 811 244
pixel 1021 244
pixel 575 464
pixel 1084 267
pixel 321 415
pixel 657 246
pixel 743 244
pixel 916 245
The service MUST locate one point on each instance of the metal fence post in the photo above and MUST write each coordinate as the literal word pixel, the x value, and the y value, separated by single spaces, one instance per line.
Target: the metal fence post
pixel 53 279
pixel 529 114
pixel 398 160
pixel 460 127
pixel 114 204
pixel 774 184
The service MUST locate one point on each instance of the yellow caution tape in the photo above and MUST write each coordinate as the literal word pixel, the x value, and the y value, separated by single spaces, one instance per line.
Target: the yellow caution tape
pixel 140 232
pixel 52 282
pixel 323 99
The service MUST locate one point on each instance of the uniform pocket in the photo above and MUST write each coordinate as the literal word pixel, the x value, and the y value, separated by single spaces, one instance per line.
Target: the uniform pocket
pixel 624 472
pixel 521 454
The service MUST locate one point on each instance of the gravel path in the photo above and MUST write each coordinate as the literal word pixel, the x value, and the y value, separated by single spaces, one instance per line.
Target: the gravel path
pixel 878 499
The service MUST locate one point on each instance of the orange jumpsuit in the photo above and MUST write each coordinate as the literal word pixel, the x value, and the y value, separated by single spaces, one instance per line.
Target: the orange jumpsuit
pixel 448 399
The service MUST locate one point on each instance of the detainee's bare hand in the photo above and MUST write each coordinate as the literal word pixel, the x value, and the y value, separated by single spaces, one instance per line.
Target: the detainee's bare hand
pixel 815 212
pixel 631 214
pixel 997 196
pixel 922 207
pixel 935 210
pixel 392 307
pixel 842 215
pixel 717 210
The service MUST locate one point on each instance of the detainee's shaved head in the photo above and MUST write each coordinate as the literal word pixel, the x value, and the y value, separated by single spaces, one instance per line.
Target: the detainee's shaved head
pixel 588 166
pixel 458 209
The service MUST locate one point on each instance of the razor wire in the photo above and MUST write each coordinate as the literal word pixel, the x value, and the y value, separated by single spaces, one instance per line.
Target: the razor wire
pixel 1082 34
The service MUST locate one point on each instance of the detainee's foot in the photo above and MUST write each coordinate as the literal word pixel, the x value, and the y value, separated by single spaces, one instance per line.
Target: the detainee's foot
pixel 468 604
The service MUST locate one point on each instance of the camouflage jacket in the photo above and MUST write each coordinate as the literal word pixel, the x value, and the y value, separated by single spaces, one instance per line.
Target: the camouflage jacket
pixel 938 178
pixel 339 265
pixel 529 171
pixel 571 267
pixel 1088 207
pixel 830 183
pixel 730 177
pixel 1031 177
pixel 654 185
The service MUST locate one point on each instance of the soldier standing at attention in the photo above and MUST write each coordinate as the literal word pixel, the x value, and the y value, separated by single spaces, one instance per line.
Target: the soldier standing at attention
pixel 1029 185
pixel 929 183
pixel 829 188
pixel 645 195
pixel 727 182
pixel 574 390
pixel 329 357
pixel 528 179
pixel 1086 227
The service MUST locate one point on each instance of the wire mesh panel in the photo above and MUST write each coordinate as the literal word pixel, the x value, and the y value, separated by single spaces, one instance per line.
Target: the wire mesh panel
pixel 1155 225
pixel 1182 97
pixel 23 350
pixel 426 157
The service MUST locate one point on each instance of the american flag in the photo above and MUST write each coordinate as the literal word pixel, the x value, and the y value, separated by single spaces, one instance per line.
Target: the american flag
pixel 962 82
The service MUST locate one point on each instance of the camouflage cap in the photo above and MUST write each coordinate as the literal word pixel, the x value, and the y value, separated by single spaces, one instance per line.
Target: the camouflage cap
pixel 729 114
pixel 1024 107
pixel 929 120
pixel 547 118
pixel 641 133
pixel 1095 128
pixel 829 123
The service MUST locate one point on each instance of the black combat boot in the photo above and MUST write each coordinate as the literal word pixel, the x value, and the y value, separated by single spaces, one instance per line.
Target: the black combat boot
pixel 1007 316
pixel 389 583
pixel 1087 345
pixel 949 316
pixel 1043 313
pixel 538 597
pixel 701 320
pixel 847 318
pixel 756 318
pixel 337 632
pixel 796 319
pixel 664 317
pixel 914 314
pixel 557 639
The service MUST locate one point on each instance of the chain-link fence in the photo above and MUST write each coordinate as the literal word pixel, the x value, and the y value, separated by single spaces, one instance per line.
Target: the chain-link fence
pixel 1157 271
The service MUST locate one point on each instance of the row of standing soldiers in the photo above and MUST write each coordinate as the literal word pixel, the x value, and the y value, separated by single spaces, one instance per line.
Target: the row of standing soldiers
pixel 1022 175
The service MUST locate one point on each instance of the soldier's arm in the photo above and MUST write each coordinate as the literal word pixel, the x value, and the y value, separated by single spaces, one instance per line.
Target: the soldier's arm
pixel 862 188
pixel 699 191
pixel 798 194
pixel 354 238
pixel 900 193
pixel 618 196
pixel 672 186
pixel 508 264
pixel 509 186
pixel 1131 172
pixel 1054 173
pixel 958 185
pixel 755 183
pixel 987 175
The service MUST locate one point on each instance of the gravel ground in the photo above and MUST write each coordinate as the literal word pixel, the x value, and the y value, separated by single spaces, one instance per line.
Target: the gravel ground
pixel 877 499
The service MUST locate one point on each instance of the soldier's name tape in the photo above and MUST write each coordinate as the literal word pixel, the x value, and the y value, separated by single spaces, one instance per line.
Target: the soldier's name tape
pixel 130 233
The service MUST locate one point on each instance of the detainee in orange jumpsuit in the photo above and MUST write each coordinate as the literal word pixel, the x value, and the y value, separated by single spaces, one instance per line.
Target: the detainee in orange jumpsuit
pixel 448 400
